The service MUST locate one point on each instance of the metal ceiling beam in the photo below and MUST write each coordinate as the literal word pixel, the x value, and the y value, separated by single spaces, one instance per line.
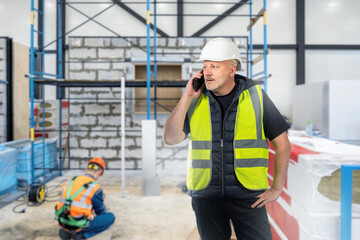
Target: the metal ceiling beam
pixel 180 18
pixel 218 19
pixel 138 17
pixel 300 40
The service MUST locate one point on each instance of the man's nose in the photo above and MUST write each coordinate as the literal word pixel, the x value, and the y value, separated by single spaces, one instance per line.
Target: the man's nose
pixel 207 72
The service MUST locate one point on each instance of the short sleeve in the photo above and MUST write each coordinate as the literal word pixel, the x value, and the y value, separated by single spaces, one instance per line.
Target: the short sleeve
pixel 274 123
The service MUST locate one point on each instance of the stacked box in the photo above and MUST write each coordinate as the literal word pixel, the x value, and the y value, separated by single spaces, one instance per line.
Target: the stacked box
pixel 42 165
pixel 50 111
pixel 8 181
pixel 309 206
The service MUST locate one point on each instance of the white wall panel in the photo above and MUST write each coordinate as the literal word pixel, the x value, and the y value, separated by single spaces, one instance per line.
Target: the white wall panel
pixel 15 20
pixel 332 22
pixel 282 66
pixel 331 65
pixel 280 21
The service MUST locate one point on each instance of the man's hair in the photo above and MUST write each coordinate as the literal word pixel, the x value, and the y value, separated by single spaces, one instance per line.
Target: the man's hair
pixel 236 62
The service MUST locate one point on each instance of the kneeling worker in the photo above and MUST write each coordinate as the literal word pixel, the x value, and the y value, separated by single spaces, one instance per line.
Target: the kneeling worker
pixel 81 210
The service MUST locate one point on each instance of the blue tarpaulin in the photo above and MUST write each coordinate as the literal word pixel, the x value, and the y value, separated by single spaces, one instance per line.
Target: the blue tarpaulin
pixel 8 181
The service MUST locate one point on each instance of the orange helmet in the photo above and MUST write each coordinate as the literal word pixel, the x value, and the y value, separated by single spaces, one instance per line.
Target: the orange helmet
pixel 99 161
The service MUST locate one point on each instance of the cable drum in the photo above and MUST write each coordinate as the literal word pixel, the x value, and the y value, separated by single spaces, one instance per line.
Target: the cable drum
pixel 37 193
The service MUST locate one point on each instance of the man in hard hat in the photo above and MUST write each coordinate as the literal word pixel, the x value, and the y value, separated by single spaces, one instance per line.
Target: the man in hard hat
pixel 230 120
pixel 81 212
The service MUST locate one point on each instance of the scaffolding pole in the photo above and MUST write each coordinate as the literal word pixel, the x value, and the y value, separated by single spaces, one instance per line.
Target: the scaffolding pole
pixel 122 137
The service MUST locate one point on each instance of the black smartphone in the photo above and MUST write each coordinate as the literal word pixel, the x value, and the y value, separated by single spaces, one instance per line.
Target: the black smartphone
pixel 198 82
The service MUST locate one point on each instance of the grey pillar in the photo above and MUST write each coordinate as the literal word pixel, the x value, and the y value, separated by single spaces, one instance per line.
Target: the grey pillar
pixel 150 182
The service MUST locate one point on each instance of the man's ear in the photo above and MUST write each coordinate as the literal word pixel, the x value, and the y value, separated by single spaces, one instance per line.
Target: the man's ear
pixel 232 71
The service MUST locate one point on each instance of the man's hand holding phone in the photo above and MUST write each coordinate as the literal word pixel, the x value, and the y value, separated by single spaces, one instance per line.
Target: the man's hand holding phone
pixel 193 84
pixel 198 82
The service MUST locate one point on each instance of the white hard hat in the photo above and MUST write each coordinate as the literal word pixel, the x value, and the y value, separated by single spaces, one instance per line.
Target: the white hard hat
pixel 221 49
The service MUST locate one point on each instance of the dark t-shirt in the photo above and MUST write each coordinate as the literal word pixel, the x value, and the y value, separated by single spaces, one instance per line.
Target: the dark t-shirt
pixel 274 122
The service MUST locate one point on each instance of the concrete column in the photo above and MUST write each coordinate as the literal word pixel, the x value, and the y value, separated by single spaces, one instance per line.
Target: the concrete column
pixel 150 182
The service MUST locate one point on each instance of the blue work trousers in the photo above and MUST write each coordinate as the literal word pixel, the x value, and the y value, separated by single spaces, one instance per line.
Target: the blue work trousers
pixel 99 224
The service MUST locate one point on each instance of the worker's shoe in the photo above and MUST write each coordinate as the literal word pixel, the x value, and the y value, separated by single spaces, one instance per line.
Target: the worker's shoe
pixel 65 235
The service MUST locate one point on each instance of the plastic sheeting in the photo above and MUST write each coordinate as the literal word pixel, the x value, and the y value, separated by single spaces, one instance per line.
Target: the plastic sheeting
pixel 306 209
pixel 8 181
pixel 42 165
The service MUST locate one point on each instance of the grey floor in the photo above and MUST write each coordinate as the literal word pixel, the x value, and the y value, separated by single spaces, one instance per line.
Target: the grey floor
pixel 168 216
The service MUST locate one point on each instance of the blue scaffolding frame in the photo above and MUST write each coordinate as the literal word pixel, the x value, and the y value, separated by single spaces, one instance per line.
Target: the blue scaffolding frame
pixel 40 51
pixel 263 75
pixel 346 200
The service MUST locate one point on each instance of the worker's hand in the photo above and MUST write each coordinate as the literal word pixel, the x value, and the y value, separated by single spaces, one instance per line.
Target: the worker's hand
pixel 266 197
pixel 189 90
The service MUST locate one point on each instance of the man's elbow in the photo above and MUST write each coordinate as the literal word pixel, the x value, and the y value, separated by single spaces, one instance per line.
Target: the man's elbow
pixel 172 139
pixel 169 140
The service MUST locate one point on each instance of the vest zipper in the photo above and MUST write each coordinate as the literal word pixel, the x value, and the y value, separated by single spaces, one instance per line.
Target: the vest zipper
pixel 222 168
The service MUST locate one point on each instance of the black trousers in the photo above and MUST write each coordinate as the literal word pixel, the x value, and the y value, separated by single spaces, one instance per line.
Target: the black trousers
pixel 213 219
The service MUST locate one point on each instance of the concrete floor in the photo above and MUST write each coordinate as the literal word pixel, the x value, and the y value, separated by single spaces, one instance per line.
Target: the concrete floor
pixel 168 216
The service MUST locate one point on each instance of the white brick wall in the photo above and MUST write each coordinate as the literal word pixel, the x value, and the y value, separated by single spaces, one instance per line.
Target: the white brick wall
pixel 94 42
pixel 143 42
pixel 161 42
pixel 76 134
pixel 120 42
pixel 107 135
pixel 115 53
pixel 110 94
pixel 135 52
pixel 117 164
pixel 75 42
pixel 192 42
pixel 114 142
pixel 172 42
pixel 88 120
pixel 76 109
pixel 93 143
pixel 76 66
pixel 133 153
pixel 74 164
pixel 83 53
pixel 83 75
pixel 163 152
pixel 96 66
pixel 104 153
pixel 182 154
pixel 80 153
pixel 110 75
pixel 110 121
pixel 116 108
pixel 95 109
pixel 73 142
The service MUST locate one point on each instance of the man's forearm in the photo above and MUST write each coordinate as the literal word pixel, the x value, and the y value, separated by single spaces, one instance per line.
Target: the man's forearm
pixel 282 154
pixel 173 129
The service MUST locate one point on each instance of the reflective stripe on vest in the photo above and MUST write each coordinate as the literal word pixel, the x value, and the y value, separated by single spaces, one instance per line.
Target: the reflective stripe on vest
pixel 250 144
pixel 199 156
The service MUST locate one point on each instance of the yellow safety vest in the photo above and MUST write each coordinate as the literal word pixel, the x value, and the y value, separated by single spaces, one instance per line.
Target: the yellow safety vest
pixel 250 144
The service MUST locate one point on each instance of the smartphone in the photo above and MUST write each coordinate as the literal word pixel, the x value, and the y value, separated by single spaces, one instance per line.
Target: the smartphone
pixel 198 82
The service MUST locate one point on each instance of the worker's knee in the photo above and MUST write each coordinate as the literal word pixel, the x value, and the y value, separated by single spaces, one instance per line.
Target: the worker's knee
pixel 111 217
